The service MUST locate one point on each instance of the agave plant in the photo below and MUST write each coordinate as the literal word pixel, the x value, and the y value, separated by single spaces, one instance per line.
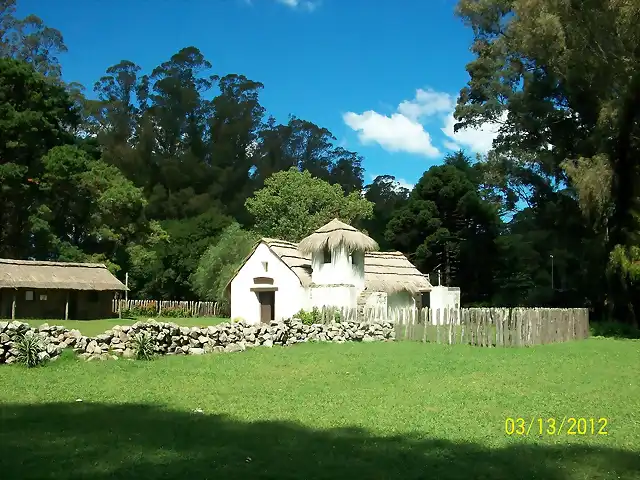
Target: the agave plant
pixel 30 347
pixel 143 346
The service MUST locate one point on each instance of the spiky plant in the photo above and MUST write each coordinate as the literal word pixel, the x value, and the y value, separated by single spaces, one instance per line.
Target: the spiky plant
pixel 143 346
pixel 29 347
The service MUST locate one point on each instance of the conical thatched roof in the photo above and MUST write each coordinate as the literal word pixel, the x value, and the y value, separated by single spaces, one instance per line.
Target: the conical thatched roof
pixel 337 233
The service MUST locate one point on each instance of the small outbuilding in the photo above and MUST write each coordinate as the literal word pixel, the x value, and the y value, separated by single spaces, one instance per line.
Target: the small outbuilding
pixel 56 290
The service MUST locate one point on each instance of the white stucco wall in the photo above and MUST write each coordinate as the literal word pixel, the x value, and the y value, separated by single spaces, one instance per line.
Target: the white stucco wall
pixel 339 296
pixel 340 270
pixel 401 300
pixel 289 298
pixel 442 298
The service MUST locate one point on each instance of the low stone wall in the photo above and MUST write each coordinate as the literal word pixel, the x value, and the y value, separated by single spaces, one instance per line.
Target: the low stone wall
pixel 172 339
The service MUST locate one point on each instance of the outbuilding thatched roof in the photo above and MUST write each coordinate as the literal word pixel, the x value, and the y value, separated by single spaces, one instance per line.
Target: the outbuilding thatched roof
pixel 57 275
pixel 337 233
pixel 389 272
pixel 392 272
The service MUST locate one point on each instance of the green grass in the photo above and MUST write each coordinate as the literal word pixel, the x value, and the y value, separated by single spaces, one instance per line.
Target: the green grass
pixel 95 327
pixel 390 411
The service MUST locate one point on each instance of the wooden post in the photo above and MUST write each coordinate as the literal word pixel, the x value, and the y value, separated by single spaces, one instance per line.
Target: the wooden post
pixel 13 306
pixel 66 307
pixel 126 284
pixel 119 305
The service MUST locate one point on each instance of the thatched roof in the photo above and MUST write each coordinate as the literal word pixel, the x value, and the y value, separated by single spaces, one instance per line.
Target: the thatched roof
pixel 57 275
pixel 383 271
pixel 337 233
pixel 392 272
pixel 291 256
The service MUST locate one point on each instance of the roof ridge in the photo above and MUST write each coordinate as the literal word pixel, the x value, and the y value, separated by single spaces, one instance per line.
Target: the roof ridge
pixel 47 263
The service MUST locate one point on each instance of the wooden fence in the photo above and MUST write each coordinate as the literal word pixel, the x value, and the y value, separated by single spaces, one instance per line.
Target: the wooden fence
pixel 484 327
pixel 196 309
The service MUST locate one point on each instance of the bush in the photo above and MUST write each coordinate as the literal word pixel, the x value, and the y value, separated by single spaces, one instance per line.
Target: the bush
pixel 143 346
pixel 148 310
pixel 614 329
pixel 176 312
pixel 32 350
pixel 316 316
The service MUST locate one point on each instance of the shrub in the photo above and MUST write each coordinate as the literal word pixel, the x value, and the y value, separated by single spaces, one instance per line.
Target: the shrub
pixel 614 329
pixel 309 317
pixel 143 346
pixel 147 310
pixel 32 350
pixel 176 312
pixel 316 316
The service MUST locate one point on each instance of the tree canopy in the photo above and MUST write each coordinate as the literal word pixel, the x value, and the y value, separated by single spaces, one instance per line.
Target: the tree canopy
pixel 172 173
pixel 293 204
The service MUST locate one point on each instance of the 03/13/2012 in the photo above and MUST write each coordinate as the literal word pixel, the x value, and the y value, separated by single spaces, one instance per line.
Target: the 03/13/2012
pixel 556 426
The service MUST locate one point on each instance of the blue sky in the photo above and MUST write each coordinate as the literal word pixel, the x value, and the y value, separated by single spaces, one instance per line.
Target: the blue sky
pixel 382 76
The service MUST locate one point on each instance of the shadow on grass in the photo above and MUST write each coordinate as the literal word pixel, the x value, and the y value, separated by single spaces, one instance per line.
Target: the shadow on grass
pixel 96 441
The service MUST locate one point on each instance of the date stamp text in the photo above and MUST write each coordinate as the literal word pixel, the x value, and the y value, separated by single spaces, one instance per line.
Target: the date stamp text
pixel 580 426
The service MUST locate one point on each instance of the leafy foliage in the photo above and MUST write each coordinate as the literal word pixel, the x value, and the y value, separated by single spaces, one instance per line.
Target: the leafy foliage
pixel 220 262
pixel 443 225
pixel 176 312
pixel 147 310
pixel 316 316
pixel 294 204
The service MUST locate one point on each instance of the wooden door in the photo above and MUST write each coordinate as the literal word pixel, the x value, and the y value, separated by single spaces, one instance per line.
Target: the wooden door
pixel 267 306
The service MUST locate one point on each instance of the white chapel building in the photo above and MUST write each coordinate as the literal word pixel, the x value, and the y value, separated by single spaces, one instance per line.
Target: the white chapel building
pixel 336 266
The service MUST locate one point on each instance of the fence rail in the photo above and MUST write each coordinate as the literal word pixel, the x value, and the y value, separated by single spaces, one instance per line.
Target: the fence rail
pixel 196 309
pixel 484 327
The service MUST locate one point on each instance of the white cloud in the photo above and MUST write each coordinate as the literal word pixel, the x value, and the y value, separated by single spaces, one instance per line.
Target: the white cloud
pixel 404 184
pixel 404 130
pixel 426 103
pixel 396 133
pixel 478 140
pixel 304 4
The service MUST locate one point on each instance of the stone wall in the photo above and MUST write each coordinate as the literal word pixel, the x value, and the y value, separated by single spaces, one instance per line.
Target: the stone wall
pixel 172 339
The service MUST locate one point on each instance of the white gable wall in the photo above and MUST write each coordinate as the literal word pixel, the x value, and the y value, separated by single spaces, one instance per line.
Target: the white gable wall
pixel 341 270
pixel 289 298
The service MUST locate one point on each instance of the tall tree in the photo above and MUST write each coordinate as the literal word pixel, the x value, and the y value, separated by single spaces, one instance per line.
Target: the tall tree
pixel 444 225
pixel 563 79
pixel 306 146
pixel 234 128
pixel 293 204
pixel 387 196
pixel 35 116
pixel 30 40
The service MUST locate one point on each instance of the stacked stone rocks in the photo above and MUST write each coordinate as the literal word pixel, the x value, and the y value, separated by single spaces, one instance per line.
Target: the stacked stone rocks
pixel 172 339
pixel 55 339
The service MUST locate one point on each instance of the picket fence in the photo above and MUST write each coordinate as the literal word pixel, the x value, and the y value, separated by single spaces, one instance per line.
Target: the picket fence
pixel 484 327
pixel 196 309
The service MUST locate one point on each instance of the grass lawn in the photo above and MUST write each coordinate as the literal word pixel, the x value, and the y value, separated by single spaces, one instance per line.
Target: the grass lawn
pixel 392 411
pixel 95 327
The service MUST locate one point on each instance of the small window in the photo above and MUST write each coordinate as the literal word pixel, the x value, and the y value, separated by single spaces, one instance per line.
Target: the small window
pixel 326 254
pixel 265 265
pixel 43 298
pixel 93 297
pixel 28 295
